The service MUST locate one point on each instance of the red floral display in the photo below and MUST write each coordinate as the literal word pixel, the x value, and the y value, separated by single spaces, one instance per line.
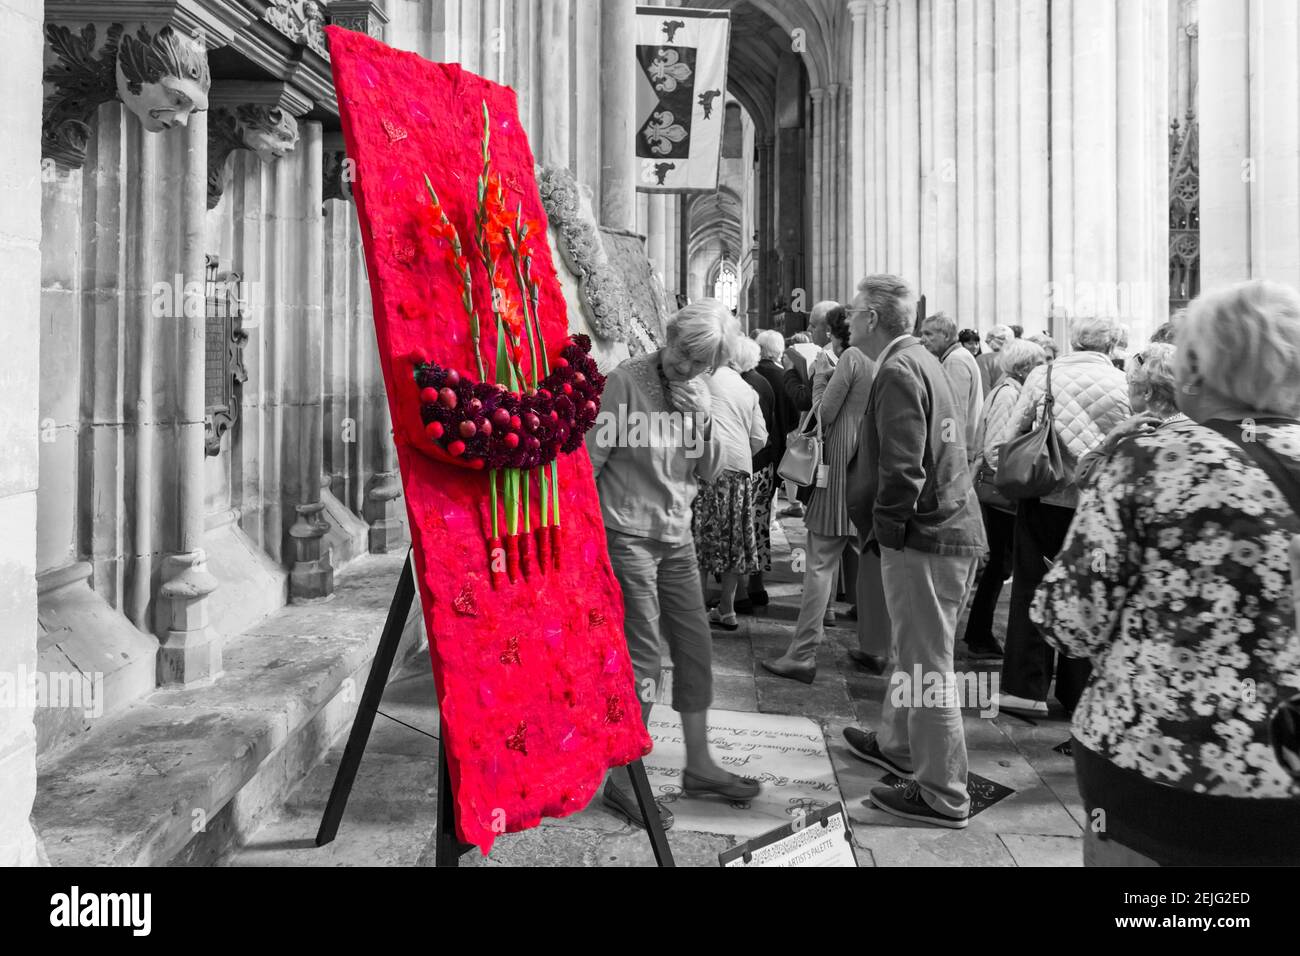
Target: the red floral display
pixel 473 338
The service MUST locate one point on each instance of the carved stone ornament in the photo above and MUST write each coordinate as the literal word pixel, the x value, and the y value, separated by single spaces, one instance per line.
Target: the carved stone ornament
pixel 161 77
pixel 363 16
pixel 338 174
pixel 267 130
pixel 226 338
pixel 599 283
pixel 302 21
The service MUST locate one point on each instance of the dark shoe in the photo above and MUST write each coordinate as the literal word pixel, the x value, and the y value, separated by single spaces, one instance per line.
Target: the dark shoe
pixel 744 606
pixel 625 805
pixel 758 598
pixel 910 805
pixel 851 614
pixel 869 662
pixel 828 619
pixel 794 511
pixel 733 788
pixel 983 651
pixel 782 667
pixel 863 745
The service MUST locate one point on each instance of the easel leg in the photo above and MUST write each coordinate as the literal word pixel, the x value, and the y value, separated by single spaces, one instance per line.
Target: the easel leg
pixel 447 849
pixel 650 813
pixel 382 666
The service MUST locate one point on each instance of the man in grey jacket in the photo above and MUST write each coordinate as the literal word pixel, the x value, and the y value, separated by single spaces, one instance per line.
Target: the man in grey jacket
pixel 911 497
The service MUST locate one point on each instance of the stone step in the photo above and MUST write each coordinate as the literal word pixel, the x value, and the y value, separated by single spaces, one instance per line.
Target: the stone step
pixel 184 774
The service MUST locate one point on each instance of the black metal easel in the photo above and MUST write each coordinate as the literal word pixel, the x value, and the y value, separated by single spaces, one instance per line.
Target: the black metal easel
pixel 447 849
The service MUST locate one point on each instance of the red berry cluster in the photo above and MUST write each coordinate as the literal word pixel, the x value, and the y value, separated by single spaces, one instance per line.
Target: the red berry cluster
pixel 485 423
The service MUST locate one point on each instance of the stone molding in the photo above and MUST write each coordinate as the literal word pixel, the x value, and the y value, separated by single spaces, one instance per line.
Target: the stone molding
pixel 364 16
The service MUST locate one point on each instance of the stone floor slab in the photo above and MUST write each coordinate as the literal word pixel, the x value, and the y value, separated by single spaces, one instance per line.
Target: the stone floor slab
pixel 786 754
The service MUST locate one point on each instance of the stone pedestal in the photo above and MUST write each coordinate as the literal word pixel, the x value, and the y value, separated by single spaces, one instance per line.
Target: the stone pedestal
pixel 383 513
pixel 312 575
pixel 190 651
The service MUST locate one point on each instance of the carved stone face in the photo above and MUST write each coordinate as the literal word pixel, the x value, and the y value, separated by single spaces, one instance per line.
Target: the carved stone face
pixel 164 104
pixel 268 131
pixel 162 79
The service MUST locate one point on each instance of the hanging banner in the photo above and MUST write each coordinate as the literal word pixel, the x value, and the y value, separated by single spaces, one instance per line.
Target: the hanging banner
pixel 681 90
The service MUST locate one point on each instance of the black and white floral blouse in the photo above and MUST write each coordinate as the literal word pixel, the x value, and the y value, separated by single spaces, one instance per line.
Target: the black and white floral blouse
pixel 1175 581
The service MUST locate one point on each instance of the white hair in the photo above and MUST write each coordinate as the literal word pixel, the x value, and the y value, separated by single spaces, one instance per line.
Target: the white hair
pixel 945 322
pixel 1000 334
pixel 893 301
pixel 1244 340
pixel 1095 334
pixel 1153 369
pixel 771 344
pixel 1019 356
pixel 704 330
pixel 744 354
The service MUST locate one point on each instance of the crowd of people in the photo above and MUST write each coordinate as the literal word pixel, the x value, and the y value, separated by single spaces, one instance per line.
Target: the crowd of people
pixel 1150 587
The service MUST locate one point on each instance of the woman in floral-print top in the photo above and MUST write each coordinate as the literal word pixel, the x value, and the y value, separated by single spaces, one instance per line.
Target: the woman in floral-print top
pixel 1175 582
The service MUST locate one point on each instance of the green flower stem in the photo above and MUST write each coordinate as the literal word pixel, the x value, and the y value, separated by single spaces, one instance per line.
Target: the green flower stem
pixel 492 485
pixel 466 282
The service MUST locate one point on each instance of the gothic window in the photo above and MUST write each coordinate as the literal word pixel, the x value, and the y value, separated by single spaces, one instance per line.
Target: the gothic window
pixel 726 287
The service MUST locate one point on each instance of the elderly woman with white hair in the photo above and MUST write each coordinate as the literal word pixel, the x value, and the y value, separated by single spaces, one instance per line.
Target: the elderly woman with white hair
pixel 1089 398
pixel 726 540
pixel 990 370
pixel 647 475
pixel 1151 390
pixel 1017 359
pixel 1175 582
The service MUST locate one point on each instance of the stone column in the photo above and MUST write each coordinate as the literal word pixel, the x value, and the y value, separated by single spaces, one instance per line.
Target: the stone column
pixel 766 203
pixel 835 213
pixel 817 217
pixel 943 168
pixel 1006 133
pixel 909 183
pixel 302 353
pixel 858 142
pixel 880 136
pixel 655 235
pixel 1250 174
pixel 618 114
pixel 190 650
pixel 985 263
pixel 967 305
pixel 494 47
pixel 586 121
pixel 554 52
pixel 20 270
pixel 894 141
pixel 1062 138
pixel 1035 200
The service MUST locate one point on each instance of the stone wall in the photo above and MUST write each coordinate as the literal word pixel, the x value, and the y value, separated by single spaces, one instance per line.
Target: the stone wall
pixel 20 236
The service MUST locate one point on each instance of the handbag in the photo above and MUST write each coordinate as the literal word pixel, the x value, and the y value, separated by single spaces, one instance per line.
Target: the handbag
pixel 1284 728
pixel 1031 465
pixel 803 450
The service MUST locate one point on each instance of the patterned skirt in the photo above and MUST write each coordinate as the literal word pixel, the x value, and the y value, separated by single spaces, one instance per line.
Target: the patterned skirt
pixel 763 489
pixel 723 523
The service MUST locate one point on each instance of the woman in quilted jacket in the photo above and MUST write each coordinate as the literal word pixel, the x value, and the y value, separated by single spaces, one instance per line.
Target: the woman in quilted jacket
pixel 1090 397
pixel 1176 582
pixel 1016 360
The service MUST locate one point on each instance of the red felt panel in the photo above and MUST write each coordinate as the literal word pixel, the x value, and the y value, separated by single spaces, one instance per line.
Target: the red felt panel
pixel 535 686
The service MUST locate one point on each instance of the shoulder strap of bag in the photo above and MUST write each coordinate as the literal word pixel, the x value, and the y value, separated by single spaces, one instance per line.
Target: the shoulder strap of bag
pixel 1285 479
